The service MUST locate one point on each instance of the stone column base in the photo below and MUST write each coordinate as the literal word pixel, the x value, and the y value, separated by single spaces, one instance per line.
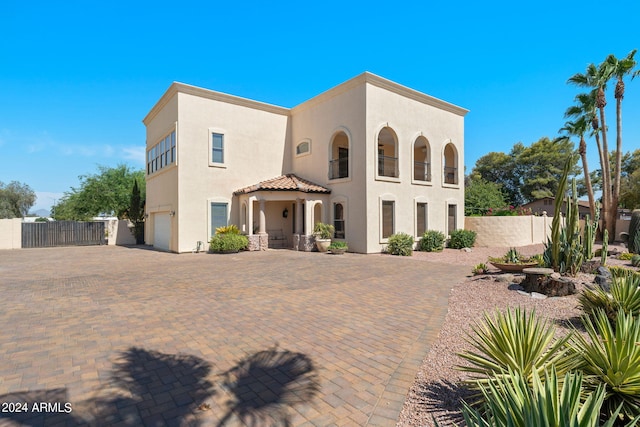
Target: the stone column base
pixel 258 242
pixel 304 243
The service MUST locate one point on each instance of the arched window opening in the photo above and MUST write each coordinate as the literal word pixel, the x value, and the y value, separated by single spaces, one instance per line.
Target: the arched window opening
pixel 421 160
pixel 387 153
pixel 339 163
pixel 338 221
pixel 450 164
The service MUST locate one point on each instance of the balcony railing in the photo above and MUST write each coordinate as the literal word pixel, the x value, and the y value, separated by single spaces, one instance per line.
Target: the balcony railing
pixel 450 175
pixel 422 171
pixel 339 168
pixel 387 166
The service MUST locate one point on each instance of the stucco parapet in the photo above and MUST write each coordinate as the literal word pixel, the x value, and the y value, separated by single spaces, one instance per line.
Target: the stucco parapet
pixel 177 87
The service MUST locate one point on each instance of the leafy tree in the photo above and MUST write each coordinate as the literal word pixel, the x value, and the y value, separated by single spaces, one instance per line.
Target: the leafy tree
pixel 16 199
pixel 526 173
pixel 481 195
pixel 630 180
pixel 107 192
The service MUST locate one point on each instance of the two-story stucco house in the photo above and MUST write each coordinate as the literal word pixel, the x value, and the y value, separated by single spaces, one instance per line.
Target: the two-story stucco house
pixel 369 156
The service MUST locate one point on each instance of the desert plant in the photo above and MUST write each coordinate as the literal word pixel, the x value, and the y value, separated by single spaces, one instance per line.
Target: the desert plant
pixel 323 231
pixel 605 248
pixel 511 341
pixel 228 229
pixel 590 231
pixel 513 257
pixel 610 358
pixel 431 241
pixel 634 232
pixel 480 269
pixel 462 239
pixel 625 256
pixel 228 242
pixel 624 295
pixel 564 251
pixel 635 260
pixel 400 244
pixel 548 401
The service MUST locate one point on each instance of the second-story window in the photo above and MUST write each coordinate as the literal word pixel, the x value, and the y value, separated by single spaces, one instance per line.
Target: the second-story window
pixel 217 148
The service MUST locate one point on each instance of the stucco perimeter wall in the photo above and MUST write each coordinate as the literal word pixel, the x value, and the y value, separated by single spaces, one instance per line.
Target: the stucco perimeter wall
pixel 501 231
pixel 11 233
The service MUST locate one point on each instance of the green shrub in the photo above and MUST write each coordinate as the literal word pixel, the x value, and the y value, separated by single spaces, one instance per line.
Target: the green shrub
pixel 338 245
pixel 431 241
pixel 635 260
pixel 462 239
pixel 228 242
pixel 400 244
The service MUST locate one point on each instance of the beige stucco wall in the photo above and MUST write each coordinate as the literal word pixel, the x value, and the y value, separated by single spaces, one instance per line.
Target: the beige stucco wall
pixel 254 142
pixel 502 231
pixel 11 233
pixel 410 118
pixel 318 120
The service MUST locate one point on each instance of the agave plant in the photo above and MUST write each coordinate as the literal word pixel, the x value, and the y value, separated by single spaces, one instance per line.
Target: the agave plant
pixel 512 341
pixel 552 402
pixel 624 295
pixel 610 359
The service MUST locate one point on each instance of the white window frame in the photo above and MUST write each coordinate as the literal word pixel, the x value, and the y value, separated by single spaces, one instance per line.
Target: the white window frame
pixel 420 201
pixel 305 153
pixel 382 199
pixel 225 148
pixel 217 200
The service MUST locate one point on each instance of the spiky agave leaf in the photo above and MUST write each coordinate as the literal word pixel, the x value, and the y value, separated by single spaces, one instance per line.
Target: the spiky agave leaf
pixel 512 340
pixel 611 358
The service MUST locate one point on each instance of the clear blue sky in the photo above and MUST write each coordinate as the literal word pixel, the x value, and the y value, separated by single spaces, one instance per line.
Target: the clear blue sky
pixel 78 77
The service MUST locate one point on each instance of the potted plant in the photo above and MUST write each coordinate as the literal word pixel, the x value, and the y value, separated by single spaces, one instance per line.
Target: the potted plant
pixel 513 261
pixel 323 233
pixel 338 248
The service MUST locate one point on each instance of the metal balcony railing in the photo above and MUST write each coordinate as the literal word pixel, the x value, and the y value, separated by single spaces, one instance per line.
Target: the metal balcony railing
pixel 422 171
pixel 339 168
pixel 450 175
pixel 388 166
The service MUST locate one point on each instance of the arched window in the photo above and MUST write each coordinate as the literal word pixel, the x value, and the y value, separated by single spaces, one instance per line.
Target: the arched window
pixel 387 153
pixel 450 163
pixel 421 160
pixel 339 162
pixel 303 148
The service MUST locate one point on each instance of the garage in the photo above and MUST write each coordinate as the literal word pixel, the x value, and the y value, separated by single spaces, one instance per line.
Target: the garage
pixel 161 231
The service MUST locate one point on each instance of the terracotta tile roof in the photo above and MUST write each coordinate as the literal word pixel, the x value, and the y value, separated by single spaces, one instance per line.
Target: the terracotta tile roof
pixel 288 182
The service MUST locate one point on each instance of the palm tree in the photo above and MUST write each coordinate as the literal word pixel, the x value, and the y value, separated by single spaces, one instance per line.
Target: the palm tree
pixel 596 78
pixel 620 69
pixel 579 128
pixel 584 113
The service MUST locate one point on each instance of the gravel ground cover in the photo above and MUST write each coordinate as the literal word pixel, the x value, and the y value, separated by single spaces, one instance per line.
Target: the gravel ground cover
pixel 436 391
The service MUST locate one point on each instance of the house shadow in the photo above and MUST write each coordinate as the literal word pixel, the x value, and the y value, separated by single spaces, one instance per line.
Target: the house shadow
pixel 267 385
pixel 146 388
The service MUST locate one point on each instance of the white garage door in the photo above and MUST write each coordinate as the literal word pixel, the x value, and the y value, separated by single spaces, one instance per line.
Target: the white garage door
pixel 161 231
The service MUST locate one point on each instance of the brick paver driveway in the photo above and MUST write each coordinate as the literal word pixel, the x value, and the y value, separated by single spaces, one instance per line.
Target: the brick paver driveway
pixel 129 336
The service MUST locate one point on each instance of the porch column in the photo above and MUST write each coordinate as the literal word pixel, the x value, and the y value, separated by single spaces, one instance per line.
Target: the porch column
pixel 262 229
pixel 298 216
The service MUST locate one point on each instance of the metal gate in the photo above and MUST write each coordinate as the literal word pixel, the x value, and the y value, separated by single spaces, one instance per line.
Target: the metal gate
pixel 62 233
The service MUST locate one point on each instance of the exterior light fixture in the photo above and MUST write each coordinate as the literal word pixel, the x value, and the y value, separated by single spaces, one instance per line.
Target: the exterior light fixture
pixel 285 213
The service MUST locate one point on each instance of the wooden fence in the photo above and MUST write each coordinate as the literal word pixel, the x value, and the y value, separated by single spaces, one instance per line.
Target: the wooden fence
pixel 62 233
